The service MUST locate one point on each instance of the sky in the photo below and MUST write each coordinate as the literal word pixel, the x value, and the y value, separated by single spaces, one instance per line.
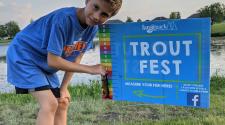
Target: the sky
pixel 22 11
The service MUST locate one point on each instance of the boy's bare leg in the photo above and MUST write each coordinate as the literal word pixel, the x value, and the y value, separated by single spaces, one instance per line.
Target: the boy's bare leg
pixel 48 106
pixel 61 113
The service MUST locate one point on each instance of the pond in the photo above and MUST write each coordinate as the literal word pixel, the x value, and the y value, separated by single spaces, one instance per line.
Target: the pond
pixel 217 61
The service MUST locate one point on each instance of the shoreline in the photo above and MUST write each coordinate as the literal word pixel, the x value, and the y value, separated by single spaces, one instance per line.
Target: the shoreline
pixel 3 44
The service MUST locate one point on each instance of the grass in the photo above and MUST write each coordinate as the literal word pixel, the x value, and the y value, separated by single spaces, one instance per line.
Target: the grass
pixel 87 108
pixel 218 29
pixel 4 42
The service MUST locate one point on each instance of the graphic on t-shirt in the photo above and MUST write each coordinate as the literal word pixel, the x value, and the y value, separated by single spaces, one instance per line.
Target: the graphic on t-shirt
pixel 77 46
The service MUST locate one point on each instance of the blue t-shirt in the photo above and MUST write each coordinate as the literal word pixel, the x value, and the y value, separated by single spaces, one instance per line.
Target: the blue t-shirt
pixel 59 33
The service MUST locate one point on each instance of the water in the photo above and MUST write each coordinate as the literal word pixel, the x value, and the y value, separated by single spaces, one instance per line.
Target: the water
pixel 217 56
pixel 90 58
pixel 217 61
pixel 3 49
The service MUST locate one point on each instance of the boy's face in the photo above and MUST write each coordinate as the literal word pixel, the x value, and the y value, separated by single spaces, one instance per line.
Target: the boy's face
pixel 97 12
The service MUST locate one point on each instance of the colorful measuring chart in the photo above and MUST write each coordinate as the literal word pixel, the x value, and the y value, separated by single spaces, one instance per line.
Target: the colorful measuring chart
pixel 106 61
pixel 160 62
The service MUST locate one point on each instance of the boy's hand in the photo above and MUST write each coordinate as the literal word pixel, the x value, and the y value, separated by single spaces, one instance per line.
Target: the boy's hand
pixel 64 94
pixel 98 69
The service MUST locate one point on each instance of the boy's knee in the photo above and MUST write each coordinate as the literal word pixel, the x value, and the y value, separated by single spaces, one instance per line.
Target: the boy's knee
pixel 50 106
pixel 63 103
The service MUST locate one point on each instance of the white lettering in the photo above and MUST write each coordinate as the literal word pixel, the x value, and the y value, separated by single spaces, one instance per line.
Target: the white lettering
pixel 187 46
pixel 134 45
pixel 159 43
pixel 144 49
pixel 153 66
pixel 143 64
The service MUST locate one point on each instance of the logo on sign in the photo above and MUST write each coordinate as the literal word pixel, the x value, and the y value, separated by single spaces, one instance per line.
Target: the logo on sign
pixel 170 26
pixel 193 99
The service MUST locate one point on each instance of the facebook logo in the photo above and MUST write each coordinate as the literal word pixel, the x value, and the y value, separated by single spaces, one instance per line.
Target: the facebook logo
pixel 193 99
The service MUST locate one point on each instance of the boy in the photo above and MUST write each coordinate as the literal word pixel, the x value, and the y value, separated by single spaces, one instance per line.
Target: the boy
pixel 55 42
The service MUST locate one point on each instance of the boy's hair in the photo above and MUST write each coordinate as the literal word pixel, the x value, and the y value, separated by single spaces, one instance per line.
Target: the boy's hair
pixel 115 5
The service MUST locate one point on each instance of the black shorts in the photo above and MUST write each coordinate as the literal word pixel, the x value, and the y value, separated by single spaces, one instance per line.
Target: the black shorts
pixel 55 91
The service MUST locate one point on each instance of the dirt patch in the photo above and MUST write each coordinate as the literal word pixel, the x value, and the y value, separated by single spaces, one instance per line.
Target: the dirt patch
pixel 108 116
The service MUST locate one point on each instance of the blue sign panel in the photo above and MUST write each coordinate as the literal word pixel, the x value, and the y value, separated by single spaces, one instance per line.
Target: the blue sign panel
pixel 162 62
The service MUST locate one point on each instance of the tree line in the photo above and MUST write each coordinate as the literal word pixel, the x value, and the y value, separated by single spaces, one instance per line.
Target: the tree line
pixel 9 30
pixel 215 11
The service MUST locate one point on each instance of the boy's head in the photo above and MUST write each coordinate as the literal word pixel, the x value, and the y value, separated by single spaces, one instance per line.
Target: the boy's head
pixel 99 11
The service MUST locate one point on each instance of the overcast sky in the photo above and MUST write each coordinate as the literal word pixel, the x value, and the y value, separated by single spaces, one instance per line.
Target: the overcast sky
pixel 22 11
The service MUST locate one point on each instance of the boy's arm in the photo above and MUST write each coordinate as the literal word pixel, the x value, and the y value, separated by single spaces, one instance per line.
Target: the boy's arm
pixel 59 63
pixel 68 75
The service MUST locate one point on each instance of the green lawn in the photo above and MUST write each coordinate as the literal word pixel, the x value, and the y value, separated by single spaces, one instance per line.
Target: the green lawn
pixel 218 28
pixel 88 108
pixel 4 42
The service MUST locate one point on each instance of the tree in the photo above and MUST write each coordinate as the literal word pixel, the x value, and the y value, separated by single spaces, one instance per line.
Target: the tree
pixel 3 31
pixel 139 20
pixel 216 11
pixel 160 18
pixel 175 15
pixel 129 19
pixel 12 28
